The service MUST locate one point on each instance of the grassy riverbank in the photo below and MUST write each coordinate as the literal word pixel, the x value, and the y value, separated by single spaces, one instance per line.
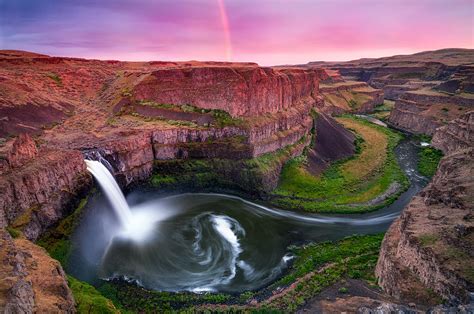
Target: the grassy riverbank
pixel 428 161
pixel 347 186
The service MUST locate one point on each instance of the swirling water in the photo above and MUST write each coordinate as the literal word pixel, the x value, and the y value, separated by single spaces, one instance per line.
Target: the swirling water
pixel 212 242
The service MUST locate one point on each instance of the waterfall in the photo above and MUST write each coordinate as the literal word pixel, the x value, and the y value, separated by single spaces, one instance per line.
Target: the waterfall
pixel 112 191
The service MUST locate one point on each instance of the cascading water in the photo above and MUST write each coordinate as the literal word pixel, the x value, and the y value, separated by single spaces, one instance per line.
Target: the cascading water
pixel 207 242
pixel 112 191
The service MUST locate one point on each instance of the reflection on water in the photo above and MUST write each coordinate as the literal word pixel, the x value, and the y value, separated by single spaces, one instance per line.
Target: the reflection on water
pixel 214 242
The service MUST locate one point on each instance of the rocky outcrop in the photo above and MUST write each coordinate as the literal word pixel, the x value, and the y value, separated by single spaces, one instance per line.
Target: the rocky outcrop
pixel 348 96
pixel 457 134
pixel 23 150
pixel 332 142
pixel 30 280
pixel 423 112
pixel 239 90
pixel 429 247
pixel 37 194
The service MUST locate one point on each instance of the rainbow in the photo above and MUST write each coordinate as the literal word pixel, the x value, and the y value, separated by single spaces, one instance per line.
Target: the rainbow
pixel 226 29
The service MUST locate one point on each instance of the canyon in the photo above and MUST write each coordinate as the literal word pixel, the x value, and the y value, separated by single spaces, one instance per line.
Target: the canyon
pixel 429 88
pixel 228 127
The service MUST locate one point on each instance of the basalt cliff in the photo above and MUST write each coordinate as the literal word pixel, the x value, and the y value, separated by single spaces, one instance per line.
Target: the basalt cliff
pixel 429 248
pixel 232 125
pixel 429 88
pixel 146 118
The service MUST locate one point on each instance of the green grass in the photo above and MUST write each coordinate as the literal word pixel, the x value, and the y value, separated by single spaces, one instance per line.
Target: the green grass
pixel 321 265
pixel 428 160
pixel 345 184
pixel 88 299
pixel 129 297
pixel 382 111
pixel 428 239
pixel 14 233
pixel 56 241
pixel 240 175
pixel 221 117
pixel 55 77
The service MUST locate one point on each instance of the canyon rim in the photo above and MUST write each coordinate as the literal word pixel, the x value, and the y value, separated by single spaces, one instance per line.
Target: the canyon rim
pixel 231 185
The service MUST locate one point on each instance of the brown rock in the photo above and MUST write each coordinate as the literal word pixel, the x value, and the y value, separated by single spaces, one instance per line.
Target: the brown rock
pixel 429 247
pixel 23 150
pixel 30 280
pixel 39 193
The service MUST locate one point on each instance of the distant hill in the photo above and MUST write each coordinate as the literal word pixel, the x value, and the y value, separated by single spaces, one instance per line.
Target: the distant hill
pixel 449 56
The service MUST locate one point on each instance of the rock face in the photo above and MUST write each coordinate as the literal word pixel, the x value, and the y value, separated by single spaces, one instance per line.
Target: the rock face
pixel 37 194
pixel 430 88
pixel 424 112
pixel 30 280
pixel 457 134
pixel 349 96
pixel 430 246
pixel 239 90
pixel 134 115
pixel 23 150
pixel 332 142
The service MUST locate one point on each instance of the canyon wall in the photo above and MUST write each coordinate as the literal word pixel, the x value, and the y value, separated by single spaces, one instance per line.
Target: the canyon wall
pixel 423 112
pixel 429 88
pixel 143 118
pixel 239 90
pixel 38 188
pixel 429 248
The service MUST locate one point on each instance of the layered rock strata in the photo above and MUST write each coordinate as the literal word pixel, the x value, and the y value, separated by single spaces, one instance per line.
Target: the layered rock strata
pixel 424 112
pixel 430 246
pixel 37 192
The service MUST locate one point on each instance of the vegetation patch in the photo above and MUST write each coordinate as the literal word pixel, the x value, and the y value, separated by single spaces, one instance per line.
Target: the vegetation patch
pixel 428 239
pixel 14 233
pixel 316 266
pixel 382 111
pixel 221 117
pixel 88 299
pixel 347 184
pixel 55 77
pixel 242 174
pixel 428 160
pixel 56 241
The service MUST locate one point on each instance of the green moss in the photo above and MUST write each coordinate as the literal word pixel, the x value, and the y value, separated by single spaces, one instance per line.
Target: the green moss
pixel 243 174
pixel 56 241
pixel 88 299
pixel 55 77
pixel 353 257
pixel 14 233
pixel 428 160
pixel 335 192
pixel 428 239
pixel 160 181
pixel 129 297
pixel 25 217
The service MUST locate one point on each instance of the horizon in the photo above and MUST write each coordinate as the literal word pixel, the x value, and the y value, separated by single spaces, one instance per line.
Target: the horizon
pixel 205 61
pixel 267 33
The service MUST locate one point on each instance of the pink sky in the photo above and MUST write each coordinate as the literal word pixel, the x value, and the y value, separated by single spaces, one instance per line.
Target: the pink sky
pixel 265 31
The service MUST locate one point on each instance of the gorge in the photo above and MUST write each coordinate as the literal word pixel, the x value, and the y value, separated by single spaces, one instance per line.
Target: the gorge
pixel 236 178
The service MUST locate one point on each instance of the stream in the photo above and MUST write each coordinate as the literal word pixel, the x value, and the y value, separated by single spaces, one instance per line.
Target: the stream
pixel 212 242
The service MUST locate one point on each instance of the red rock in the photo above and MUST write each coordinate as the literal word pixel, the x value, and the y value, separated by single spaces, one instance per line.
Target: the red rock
pixel 23 150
